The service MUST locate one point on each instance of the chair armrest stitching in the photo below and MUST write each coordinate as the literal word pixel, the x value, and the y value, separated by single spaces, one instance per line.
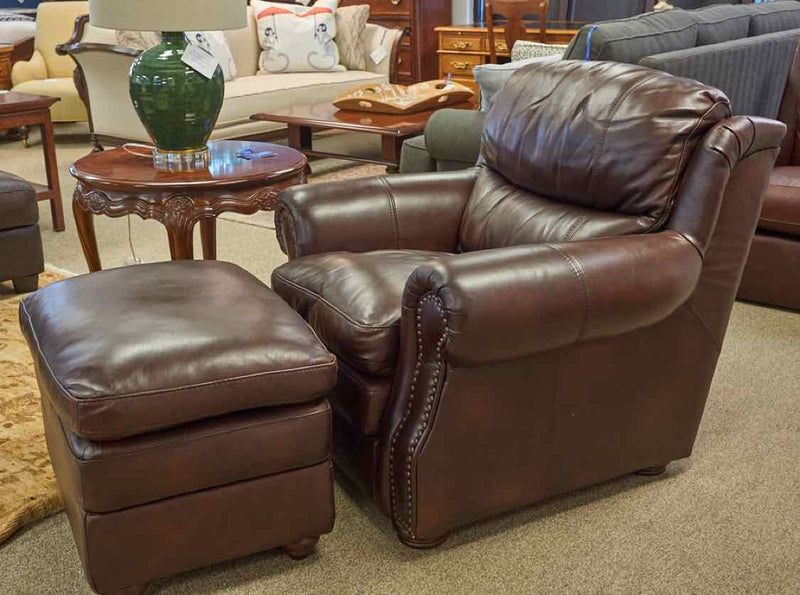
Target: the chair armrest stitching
pixel 393 209
pixel 580 275
pixel 308 292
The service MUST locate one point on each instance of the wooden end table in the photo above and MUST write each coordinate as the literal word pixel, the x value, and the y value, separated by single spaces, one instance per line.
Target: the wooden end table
pixel 22 109
pixel 303 119
pixel 116 183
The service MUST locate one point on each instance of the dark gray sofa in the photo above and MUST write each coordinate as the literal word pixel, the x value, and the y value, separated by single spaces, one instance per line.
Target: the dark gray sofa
pixel 744 50
pixel 21 258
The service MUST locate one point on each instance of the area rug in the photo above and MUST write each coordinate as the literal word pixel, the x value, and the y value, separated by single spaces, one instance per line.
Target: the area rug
pixel 28 490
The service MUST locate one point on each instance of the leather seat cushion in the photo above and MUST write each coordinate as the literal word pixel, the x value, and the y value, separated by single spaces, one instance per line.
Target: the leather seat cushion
pixel 18 206
pixel 781 210
pixel 352 301
pixel 113 475
pixel 130 351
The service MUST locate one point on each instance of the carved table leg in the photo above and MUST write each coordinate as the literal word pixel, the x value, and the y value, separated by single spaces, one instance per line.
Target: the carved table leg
pixel 181 246
pixel 84 221
pixel 208 235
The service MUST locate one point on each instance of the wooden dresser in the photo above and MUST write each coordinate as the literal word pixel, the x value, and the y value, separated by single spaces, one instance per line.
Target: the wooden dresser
pixel 417 56
pixel 10 53
pixel 463 47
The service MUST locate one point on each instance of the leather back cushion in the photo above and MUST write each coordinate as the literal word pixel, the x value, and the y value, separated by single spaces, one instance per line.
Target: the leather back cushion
pixel 611 138
pixel 500 215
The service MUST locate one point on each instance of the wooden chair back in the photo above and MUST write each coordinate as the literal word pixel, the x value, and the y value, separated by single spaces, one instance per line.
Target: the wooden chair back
pixel 514 11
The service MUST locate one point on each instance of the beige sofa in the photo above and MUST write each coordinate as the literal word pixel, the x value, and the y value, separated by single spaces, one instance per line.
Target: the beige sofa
pixel 103 69
pixel 47 73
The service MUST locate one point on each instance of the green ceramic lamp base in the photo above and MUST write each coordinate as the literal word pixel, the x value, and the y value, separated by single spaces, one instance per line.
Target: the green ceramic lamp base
pixel 178 106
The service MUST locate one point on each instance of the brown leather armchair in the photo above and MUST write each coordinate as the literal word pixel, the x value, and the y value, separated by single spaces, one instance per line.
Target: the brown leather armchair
pixel 546 321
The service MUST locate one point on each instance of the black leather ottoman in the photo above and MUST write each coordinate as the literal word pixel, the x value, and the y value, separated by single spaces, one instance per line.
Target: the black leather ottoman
pixel 21 258
pixel 185 416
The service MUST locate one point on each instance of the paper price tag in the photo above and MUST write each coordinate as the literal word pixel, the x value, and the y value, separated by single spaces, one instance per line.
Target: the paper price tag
pixel 199 59
pixel 379 55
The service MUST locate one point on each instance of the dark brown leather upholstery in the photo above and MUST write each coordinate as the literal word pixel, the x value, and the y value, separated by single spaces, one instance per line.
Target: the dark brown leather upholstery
pixel 352 300
pixel 571 333
pixel 185 416
pixel 21 257
pixel 217 342
pixel 772 275
pixel 244 445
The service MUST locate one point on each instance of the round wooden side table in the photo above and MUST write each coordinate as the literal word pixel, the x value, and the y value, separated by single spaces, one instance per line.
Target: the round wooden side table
pixel 116 183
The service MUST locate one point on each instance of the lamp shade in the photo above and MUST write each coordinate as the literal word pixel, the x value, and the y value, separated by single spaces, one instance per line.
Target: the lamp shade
pixel 168 15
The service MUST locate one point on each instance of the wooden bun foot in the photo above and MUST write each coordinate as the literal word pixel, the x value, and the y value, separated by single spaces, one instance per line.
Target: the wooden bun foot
pixel 422 544
pixel 302 549
pixel 133 590
pixel 650 471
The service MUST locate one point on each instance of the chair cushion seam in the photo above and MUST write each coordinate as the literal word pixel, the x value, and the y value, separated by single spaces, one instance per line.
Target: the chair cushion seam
pixel 364 326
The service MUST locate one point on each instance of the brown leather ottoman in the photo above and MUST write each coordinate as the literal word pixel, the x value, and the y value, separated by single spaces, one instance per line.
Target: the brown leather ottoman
pixel 185 416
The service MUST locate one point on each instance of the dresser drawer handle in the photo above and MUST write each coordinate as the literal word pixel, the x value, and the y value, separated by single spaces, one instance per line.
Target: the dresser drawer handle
pixel 461 45
pixel 396 2
pixel 461 65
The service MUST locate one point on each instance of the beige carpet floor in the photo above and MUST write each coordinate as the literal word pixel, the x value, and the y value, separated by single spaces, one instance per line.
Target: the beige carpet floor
pixel 725 521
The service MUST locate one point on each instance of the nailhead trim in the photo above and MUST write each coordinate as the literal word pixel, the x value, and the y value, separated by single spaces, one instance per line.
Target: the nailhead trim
pixel 406 525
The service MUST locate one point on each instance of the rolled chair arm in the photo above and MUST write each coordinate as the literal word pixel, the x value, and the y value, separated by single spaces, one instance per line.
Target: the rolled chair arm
pixel 34 69
pixel 455 135
pixel 514 302
pixel 415 211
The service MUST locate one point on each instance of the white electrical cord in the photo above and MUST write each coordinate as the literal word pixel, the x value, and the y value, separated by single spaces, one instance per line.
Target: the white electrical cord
pixel 132 259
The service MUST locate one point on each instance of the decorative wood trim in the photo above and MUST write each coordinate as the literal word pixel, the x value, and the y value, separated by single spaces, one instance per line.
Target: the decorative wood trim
pixel 395 55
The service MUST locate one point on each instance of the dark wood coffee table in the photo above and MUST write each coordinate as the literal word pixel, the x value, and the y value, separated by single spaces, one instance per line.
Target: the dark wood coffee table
pixel 303 119
pixel 18 110
pixel 116 183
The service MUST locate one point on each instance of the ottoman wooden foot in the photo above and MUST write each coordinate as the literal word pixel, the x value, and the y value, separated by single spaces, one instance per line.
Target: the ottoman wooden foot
pixel 301 549
pixel 652 471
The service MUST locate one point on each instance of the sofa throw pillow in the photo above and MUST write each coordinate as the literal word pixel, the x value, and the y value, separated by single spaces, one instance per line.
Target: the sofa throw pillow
pixel 524 50
pixel 297 38
pixel 215 43
pixel 351 36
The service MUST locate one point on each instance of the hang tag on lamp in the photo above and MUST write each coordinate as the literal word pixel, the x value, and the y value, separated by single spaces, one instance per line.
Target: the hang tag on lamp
pixel 196 56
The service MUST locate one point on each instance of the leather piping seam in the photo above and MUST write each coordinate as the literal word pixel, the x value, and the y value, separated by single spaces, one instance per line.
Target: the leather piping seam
pixel 780 222
pixel 176 443
pixel 407 526
pixel 579 273
pixel 673 191
pixel 576 225
pixel 696 314
pixel 79 400
pixel 393 209
pixel 321 299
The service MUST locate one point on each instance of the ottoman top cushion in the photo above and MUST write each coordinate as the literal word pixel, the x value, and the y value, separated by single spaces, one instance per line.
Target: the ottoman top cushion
pixel 128 351
pixel 18 207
